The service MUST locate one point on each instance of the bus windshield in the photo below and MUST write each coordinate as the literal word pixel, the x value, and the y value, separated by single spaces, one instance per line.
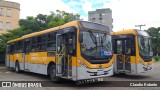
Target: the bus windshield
pixel 145 46
pixel 96 44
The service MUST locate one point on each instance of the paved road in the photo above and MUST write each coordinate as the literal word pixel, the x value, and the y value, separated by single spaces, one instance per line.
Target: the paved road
pixel 9 75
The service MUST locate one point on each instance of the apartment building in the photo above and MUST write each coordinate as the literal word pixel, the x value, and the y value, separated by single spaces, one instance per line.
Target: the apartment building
pixel 9 15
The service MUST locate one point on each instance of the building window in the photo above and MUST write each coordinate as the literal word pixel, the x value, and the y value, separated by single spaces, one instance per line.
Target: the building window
pixel 103 14
pixel 8 13
pixel 100 18
pixel 8 25
pixel 1 11
pixel 100 15
pixel 1 25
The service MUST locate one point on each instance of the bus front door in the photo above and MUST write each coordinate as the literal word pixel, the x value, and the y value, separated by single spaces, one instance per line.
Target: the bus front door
pixel 65 52
pixel 59 54
pixel 123 52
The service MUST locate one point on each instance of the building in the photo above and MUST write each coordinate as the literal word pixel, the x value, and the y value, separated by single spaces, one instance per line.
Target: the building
pixel 102 16
pixel 9 15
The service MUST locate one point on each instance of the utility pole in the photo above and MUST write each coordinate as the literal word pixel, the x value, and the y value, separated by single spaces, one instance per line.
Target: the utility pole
pixel 140 26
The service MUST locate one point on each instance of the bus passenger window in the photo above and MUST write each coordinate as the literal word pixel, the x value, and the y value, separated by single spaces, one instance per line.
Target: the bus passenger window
pixel 127 46
pixel 41 43
pixel 133 51
pixel 72 44
pixel 8 51
pixel 51 44
pixel 119 47
pixel 18 46
pixel 34 46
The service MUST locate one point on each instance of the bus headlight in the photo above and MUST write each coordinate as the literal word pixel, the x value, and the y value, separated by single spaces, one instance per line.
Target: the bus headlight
pixel 81 63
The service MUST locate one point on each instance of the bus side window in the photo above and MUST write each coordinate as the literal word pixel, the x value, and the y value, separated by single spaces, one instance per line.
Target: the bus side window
pixel 27 46
pixel 127 46
pixel 20 46
pixel 12 48
pixel 119 47
pixel 133 50
pixel 34 44
pixel 15 47
pixel 41 43
pixel 72 44
pixel 8 50
pixel 51 41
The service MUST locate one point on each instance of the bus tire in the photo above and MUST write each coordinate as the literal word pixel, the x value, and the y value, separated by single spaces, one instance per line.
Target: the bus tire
pixel 17 68
pixel 52 73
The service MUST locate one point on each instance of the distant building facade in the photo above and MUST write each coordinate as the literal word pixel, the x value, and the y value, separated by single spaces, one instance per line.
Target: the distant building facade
pixel 102 16
pixel 9 15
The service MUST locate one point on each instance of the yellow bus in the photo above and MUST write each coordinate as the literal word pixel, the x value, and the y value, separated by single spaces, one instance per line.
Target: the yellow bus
pixel 77 50
pixel 132 51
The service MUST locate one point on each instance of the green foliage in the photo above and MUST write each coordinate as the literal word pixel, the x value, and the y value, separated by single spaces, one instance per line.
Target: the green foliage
pixel 156 58
pixel 155 37
pixel 34 24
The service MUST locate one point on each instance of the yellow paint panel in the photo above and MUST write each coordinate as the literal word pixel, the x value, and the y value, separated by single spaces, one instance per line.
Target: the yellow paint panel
pixel 16 56
pixel 133 59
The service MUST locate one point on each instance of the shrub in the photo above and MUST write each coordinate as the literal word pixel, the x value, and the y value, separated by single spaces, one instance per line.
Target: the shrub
pixel 156 58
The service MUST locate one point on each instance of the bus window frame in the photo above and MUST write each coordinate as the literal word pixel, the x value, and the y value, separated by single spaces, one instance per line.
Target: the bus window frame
pixel 74 30
pixel 40 44
pixel 50 41
pixel 17 47
pixel 132 39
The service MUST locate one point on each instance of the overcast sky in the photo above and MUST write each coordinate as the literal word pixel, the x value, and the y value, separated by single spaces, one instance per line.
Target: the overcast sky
pixel 126 13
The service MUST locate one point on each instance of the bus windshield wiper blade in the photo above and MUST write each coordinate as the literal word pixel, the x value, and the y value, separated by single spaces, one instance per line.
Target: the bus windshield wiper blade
pixel 93 37
pixel 103 39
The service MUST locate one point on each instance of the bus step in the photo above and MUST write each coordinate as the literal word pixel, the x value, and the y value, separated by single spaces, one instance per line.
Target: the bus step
pixel 65 77
pixel 69 77
pixel 26 70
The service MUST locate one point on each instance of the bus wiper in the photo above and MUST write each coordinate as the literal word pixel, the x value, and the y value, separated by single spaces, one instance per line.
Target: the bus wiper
pixel 103 39
pixel 93 38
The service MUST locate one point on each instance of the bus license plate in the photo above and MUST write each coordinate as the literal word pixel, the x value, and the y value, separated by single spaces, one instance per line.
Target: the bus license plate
pixel 100 72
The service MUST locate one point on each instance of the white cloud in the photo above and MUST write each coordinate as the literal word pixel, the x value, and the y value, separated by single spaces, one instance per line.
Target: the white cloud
pixel 87 6
pixel 34 7
pixel 126 13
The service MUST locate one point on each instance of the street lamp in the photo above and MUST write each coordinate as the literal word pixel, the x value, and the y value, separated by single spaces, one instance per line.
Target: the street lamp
pixel 140 26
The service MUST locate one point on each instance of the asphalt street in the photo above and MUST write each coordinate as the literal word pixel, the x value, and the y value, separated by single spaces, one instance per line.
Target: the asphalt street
pixel 7 74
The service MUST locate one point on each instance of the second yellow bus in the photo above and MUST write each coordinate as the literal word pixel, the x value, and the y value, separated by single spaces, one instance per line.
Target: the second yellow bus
pixel 132 51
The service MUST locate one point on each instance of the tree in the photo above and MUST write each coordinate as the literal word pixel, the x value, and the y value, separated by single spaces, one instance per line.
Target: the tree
pixel 34 24
pixel 155 37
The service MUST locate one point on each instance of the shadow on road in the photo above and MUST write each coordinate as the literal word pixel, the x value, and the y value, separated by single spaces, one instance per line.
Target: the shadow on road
pixel 131 76
pixel 79 85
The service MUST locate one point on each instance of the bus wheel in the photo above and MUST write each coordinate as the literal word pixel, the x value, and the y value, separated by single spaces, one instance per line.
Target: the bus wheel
pixel 52 72
pixel 17 69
